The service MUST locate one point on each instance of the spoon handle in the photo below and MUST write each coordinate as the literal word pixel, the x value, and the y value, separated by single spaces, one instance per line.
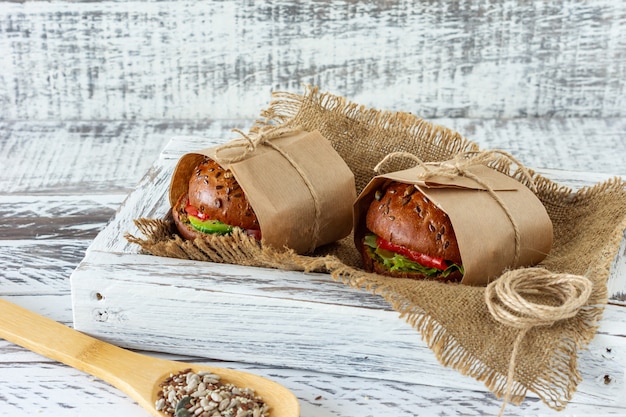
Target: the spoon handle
pixel 133 373
pixel 43 335
pixel 63 344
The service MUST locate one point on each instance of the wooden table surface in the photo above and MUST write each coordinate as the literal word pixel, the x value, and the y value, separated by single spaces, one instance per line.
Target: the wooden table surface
pixel 51 214
pixel 91 93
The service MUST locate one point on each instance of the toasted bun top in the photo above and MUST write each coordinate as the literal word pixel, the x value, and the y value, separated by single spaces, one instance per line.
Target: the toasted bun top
pixel 402 215
pixel 215 192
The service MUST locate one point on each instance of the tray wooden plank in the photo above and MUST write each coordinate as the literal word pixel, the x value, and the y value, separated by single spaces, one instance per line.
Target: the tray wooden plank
pixel 266 316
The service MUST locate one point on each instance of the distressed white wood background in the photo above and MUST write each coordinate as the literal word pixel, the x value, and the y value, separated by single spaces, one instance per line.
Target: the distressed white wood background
pixel 110 60
pixel 91 92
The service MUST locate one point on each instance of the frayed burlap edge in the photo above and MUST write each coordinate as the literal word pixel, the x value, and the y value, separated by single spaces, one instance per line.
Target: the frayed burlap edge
pixel 559 376
pixel 236 248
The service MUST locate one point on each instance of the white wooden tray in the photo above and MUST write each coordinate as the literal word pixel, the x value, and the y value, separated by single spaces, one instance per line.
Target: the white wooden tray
pixel 255 315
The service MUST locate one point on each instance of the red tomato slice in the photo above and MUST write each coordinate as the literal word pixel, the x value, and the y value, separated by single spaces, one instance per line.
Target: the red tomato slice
pixel 193 211
pixel 421 258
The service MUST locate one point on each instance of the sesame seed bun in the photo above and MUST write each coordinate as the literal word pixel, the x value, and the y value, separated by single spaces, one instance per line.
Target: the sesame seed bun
pixel 402 215
pixel 215 193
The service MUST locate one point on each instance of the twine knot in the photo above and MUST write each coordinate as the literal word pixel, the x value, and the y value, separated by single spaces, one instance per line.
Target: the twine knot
pixel 507 300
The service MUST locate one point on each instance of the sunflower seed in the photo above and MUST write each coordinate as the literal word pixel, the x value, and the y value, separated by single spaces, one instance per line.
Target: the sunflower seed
pixel 202 394
pixel 408 191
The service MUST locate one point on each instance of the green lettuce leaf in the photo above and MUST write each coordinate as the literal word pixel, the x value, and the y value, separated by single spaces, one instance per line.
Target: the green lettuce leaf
pixel 210 226
pixel 396 262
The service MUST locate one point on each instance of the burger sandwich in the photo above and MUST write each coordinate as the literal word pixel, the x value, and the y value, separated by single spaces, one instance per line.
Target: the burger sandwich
pixel 214 204
pixel 406 235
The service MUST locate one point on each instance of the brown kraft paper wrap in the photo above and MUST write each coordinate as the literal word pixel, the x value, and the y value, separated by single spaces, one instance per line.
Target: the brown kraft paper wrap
pixel 485 234
pixel 299 187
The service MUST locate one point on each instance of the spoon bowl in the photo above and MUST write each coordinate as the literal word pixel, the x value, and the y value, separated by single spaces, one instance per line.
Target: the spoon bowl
pixel 137 375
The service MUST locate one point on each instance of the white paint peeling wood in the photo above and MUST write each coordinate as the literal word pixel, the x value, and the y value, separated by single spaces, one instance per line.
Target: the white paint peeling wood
pixel 40 266
pixel 90 92
pixel 54 303
pixel 55 157
pixel 320 395
pixel 587 145
pixel 109 60
pixel 273 317
pixel 112 156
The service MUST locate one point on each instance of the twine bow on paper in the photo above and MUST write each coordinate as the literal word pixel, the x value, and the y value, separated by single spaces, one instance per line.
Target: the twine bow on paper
pixel 505 299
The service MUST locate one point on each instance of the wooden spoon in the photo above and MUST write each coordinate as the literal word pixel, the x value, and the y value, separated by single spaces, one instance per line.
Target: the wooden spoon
pixel 135 374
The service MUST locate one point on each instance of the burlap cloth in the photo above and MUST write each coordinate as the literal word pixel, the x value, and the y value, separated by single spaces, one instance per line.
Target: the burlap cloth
pixel 454 320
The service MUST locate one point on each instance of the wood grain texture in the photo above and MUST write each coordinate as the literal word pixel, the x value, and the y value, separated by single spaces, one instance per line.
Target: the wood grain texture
pixel 588 145
pixel 112 156
pixel 273 309
pixel 99 156
pixel 58 390
pixel 71 216
pixel 252 314
pixel 91 92
pixel 32 265
pixel 108 60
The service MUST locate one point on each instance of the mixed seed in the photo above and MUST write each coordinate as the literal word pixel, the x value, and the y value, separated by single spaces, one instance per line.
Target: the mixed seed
pixel 201 394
